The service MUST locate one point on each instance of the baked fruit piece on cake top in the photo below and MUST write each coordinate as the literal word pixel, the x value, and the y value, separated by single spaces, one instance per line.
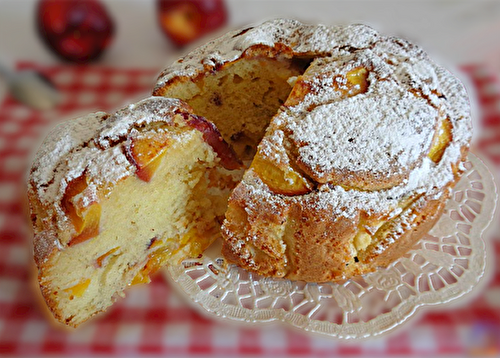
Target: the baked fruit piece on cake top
pixel 364 140
pixel 113 197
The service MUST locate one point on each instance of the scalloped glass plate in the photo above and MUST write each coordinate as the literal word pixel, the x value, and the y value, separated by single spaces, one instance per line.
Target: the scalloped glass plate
pixel 445 265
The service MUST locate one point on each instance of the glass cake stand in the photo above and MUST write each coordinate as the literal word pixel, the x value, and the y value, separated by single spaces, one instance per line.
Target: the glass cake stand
pixel 446 264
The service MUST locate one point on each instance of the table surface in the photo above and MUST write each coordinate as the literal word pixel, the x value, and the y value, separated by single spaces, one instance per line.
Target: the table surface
pixel 154 319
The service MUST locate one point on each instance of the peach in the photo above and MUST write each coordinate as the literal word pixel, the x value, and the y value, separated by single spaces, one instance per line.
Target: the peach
pixel 146 151
pixel 212 136
pixel 79 289
pixel 90 225
pixel 183 21
pixel 78 30
pixel 354 82
pixel 440 141
pixel 357 80
pixel 101 259
pixel 160 256
pixel 85 215
pixel 156 260
pixel 281 180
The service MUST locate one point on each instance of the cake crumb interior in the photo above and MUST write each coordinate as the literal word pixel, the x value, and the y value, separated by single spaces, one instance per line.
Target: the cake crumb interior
pixel 143 225
pixel 241 98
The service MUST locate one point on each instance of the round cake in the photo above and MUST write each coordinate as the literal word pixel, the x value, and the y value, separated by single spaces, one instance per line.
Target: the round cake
pixel 353 140
pixel 317 153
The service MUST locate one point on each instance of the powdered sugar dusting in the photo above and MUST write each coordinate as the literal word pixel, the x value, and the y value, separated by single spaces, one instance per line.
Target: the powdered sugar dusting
pixel 299 38
pixel 58 144
pixel 150 110
pixel 350 135
pixel 273 145
pixel 92 145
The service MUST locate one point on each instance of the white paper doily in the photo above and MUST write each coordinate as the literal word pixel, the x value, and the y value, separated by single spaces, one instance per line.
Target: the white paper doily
pixel 446 264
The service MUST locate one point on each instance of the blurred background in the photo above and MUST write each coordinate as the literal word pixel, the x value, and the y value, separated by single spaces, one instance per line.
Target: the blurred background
pixel 120 48
pixel 458 31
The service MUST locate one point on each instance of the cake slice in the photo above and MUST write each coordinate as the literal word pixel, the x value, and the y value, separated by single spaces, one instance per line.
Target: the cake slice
pixel 114 197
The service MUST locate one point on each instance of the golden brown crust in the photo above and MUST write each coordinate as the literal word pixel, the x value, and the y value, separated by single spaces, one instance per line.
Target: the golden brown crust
pixel 425 211
pixel 315 244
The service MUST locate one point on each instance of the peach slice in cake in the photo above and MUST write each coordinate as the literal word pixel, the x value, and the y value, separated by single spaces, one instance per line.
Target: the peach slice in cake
pixel 146 152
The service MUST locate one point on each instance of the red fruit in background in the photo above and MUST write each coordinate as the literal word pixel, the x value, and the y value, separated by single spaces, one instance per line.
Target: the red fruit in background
pixel 186 20
pixel 76 30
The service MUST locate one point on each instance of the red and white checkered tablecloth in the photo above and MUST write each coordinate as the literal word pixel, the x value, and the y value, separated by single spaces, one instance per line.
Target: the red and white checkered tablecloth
pixel 153 319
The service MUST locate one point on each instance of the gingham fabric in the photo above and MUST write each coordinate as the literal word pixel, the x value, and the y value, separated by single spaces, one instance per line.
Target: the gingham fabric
pixel 154 319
